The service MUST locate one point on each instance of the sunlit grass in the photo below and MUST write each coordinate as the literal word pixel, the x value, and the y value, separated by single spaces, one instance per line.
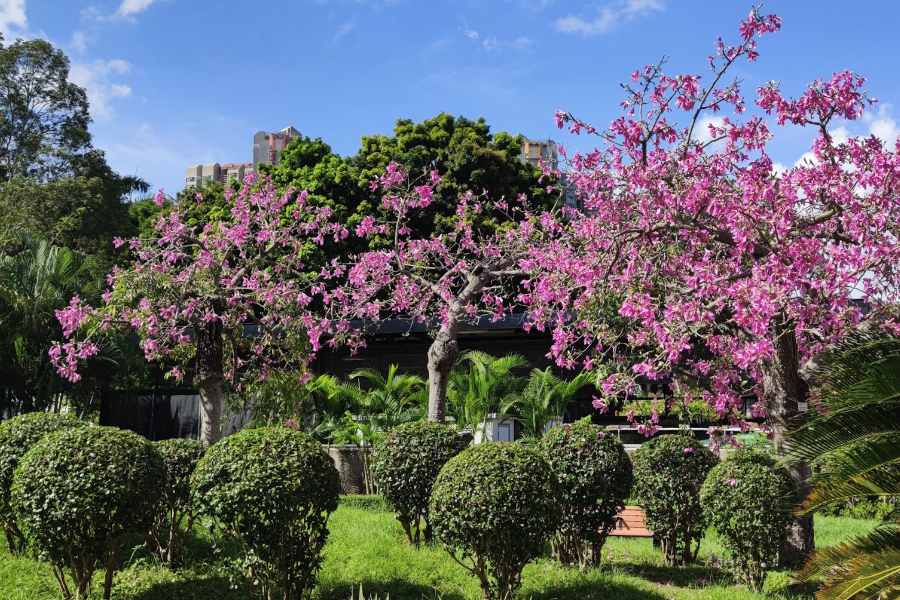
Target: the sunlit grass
pixel 368 548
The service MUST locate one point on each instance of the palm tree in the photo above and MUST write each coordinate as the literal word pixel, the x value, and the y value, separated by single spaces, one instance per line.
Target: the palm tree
pixel 34 284
pixel 544 399
pixel 480 384
pixel 858 441
pixel 388 402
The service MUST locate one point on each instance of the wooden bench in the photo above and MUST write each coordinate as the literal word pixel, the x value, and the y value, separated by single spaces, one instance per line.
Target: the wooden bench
pixel 630 523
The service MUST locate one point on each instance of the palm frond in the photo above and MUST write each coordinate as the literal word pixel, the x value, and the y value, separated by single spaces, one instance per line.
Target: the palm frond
pixel 860 568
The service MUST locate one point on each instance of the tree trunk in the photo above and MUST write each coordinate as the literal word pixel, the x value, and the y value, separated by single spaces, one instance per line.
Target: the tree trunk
pixel 208 377
pixel 441 356
pixel 783 389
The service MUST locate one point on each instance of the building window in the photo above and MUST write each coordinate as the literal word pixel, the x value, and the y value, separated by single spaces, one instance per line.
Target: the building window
pixel 534 151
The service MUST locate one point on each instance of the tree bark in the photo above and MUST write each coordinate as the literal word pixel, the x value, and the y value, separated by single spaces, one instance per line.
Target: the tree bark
pixel 783 390
pixel 441 355
pixel 208 376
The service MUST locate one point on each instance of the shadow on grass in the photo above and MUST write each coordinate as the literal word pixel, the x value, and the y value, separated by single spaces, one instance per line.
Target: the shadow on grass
pixel 397 588
pixel 608 590
pixel 207 588
pixel 686 576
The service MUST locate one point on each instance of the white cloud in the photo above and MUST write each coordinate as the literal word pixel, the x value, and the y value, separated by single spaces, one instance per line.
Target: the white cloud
pixel 610 17
pixel 342 31
pixel 472 35
pixel 79 42
pixel 701 129
pixel 94 77
pixel 493 44
pixel 12 14
pixel 125 12
pixel 884 126
pixel 130 7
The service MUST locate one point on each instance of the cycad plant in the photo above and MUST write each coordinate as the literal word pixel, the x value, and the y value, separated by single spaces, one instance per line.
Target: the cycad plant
pixel 544 399
pixel 857 440
pixel 480 385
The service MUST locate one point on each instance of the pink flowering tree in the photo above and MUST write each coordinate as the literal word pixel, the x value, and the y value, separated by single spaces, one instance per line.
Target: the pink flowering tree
pixel 729 272
pixel 442 281
pixel 229 302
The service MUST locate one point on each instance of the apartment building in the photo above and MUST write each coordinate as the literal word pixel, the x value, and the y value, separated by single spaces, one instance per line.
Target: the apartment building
pixel 266 146
pixel 535 151
pixel 266 150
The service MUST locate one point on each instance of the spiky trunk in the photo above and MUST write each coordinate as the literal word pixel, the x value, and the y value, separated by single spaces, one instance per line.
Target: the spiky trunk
pixel 208 376
pixel 783 390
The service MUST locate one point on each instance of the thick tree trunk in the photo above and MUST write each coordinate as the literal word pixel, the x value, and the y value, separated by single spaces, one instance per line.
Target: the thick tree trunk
pixel 441 356
pixel 208 375
pixel 784 390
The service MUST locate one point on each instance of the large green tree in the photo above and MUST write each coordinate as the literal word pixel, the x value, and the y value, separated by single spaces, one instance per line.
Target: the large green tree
pixel 43 116
pixel 464 152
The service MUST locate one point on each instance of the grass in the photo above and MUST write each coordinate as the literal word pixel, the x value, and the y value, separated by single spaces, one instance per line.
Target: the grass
pixel 367 548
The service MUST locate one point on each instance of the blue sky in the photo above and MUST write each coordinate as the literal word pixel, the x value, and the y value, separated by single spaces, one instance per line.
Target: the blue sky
pixel 177 82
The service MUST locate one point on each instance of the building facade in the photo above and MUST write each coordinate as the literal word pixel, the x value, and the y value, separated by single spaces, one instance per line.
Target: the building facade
pixel 266 149
pixel 267 146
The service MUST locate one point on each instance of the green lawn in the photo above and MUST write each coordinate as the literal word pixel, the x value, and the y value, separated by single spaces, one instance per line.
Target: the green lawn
pixel 367 548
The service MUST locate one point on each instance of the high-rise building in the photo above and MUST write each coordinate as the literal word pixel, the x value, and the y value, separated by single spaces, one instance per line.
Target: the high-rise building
pixel 266 146
pixel 534 151
pixel 266 149
pixel 546 151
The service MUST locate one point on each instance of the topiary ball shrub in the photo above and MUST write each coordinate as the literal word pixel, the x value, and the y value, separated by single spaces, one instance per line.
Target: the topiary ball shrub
pixel 77 493
pixel 595 478
pixel 493 507
pixel 175 512
pixel 17 436
pixel 270 489
pixel 406 463
pixel 750 502
pixel 669 471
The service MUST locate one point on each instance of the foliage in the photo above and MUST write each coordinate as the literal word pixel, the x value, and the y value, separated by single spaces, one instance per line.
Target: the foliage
pixel 388 402
pixel 405 465
pixel 43 114
pixel 35 282
pixel 595 478
pixel 481 384
pixel 79 492
pixel 175 513
pixel 544 399
pixel 729 270
pixel 493 508
pixel 368 546
pixel 441 281
pixel 750 503
pixel 669 471
pixel 237 284
pixel 310 407
pixel 17 436
pixel 270 489
pixel 856 439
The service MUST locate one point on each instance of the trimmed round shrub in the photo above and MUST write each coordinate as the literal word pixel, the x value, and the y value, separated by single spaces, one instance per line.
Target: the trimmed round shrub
pixel 175 512
pixel 270 489
pixel 750 502
pixel 406 463
pixel 594 475
pixel 77 493
pixel 668 472
pixel 17 436
pixel 493 508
